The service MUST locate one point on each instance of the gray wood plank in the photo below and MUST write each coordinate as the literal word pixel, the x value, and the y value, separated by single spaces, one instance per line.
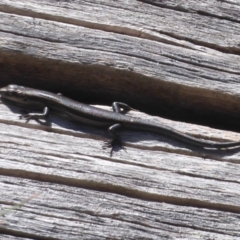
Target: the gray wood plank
pixel 85 214
pixel 152 168
pixel 142 19
pixel 177 73
pixel 229 10
pixel 135 60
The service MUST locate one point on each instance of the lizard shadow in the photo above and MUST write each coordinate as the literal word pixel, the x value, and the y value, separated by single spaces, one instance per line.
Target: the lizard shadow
pixel 175 145
pixel 19 110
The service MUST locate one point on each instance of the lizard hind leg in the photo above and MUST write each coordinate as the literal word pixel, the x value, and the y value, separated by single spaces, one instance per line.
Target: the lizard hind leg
pixel 115 140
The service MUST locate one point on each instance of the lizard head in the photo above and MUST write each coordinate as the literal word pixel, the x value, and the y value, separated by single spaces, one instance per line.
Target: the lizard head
pixel 13 92
pixel 20 95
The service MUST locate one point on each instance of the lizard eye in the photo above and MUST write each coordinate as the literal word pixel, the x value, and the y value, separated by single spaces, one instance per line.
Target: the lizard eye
pixel 16 93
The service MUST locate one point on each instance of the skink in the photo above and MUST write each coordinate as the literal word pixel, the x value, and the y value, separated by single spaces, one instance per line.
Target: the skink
pixel 98 117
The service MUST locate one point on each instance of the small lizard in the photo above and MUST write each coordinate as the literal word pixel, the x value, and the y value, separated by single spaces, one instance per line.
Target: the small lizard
pixel 87 114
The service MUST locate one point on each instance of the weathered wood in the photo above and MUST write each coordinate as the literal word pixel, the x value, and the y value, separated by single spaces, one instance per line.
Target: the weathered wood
pixel 57 182
pixel 171 70
pixel 37 171
pixel 8 237
pixel 174 20
pixel 85 214
pixel 221 9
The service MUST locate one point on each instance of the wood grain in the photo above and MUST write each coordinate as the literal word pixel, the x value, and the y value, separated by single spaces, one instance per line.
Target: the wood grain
pixel 180 59
pixel 177 56
pixel 152 179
